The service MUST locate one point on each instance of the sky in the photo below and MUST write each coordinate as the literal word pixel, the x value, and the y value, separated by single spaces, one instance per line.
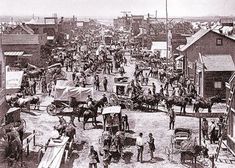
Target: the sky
pixel 113 8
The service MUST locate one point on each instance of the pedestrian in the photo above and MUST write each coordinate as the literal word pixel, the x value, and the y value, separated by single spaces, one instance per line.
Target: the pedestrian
pixel 140 147
pixel 166 84
pixel 34 86
pixel 149 92
pixel 161 90
pixel 173 92
pixel 212 132
pixel 49 88
pixel 97 82
pixel 105 83
pixel 180 91
pixel 106 157
pixel 153 88
pixel 151 145
pixel 111 67
pixel 125 122
pixel 73 75
pixel 205 128
pixel 93 158
pixel 172 118
pixel 146 79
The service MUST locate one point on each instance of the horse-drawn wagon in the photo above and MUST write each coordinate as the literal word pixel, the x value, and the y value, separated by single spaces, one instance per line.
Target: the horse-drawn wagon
pixel 121 93
pixel 113 137
pixel 64 93
pixel 180 135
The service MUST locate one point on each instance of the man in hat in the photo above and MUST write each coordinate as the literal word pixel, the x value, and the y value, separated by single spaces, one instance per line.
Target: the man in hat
pixel 172 118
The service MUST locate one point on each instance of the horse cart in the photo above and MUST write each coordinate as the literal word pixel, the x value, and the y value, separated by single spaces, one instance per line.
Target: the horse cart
pixel 64 93
pixel 180 135
pixel 113 136
pixel 121 93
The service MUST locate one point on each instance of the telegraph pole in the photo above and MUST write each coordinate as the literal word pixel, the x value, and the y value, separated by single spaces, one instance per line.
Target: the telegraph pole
pixel 167 45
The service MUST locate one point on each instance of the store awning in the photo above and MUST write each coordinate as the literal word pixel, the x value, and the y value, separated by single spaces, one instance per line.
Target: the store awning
pixel 13 53
pixel 179 57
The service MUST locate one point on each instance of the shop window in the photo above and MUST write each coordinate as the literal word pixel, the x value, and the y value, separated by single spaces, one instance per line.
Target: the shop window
pixel 218 85
pixel 219 41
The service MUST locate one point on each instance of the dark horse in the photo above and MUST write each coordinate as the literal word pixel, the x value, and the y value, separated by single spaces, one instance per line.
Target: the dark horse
pixel 178 101
pixel 206 103
pixel 193 154
pixel 91 112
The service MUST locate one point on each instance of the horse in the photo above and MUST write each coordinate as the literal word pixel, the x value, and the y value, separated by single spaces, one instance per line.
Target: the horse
pixel 174 77
pixel 152 100
pixel 206 103
pixel 25 102
pixel 193 154
pixel 178 101
pixel 92 113
pixel 37 73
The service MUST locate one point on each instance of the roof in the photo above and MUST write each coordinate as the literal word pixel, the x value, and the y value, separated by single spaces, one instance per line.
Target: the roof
pixel 218 62
pixel 10 39
pixel 25 28
pixel 193 39
pixel 202 32
pixel 41 21
pixel 112 110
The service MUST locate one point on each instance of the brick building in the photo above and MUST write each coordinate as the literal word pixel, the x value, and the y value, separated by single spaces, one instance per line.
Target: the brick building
pixel 23 47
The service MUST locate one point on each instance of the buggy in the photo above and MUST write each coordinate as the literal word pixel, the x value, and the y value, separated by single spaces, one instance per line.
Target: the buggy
pixel 180 135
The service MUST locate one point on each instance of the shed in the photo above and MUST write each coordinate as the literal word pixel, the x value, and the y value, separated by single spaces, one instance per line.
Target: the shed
pixel 212 71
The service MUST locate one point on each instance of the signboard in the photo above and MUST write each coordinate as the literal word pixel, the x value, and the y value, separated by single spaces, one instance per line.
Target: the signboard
pixel 14 79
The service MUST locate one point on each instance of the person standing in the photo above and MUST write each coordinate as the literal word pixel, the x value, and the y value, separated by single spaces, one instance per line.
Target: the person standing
pixel 140 147
pixel 212 132
pixel 153 88
pixel 151 145
pixel 172 119
pixel 166 84
pixel 34 86
pixel 105 83
pixel 49 88
pixel 106 157
pixel 205 128
pixel 93 158
pixel 161 91
pixel 146 79
pixel 173 92
pixel 73 75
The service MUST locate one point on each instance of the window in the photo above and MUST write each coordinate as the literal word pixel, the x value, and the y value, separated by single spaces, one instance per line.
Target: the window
pixel 218 85
pixel 219 41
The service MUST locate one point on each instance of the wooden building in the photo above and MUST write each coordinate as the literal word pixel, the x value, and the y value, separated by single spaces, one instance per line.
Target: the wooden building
pixel 205 41
pixel 3 105
pixel 231 121
pixel 25 47
pixel 212 72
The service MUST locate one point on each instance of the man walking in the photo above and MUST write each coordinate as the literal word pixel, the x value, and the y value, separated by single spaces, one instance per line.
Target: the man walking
pixel 151 145
pixel 93 158
pixel 140 147
pixel 205 128
pixel 172 119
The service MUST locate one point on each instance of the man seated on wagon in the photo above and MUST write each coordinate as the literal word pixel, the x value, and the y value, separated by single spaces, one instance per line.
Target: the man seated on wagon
pixel 104 99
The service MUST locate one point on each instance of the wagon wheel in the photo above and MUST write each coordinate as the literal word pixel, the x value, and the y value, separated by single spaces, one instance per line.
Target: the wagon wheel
pixel 113 99
pixel 51 109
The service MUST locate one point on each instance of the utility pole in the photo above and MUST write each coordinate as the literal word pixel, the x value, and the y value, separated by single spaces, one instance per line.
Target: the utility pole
pixel 167 45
